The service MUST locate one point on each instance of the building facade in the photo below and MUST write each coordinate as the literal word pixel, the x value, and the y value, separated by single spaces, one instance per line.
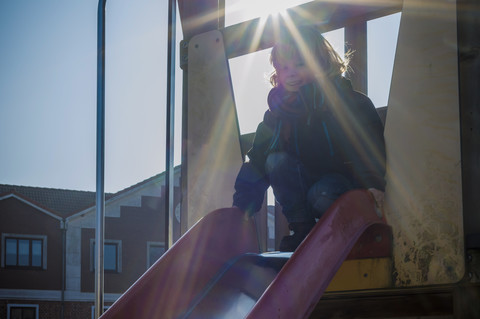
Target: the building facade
pixel 48 243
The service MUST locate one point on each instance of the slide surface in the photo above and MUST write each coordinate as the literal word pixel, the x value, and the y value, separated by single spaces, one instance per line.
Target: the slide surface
pixel 215 270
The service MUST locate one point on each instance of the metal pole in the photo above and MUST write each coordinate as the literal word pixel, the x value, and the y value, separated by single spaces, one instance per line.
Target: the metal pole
pixel 100 191
pixel 169 173
pixel 64 263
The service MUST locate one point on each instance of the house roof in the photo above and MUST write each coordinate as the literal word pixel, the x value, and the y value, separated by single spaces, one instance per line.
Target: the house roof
pixel 64 202
pixel 60 201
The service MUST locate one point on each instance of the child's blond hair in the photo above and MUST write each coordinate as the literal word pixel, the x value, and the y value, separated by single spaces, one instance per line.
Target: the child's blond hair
pixel 308 44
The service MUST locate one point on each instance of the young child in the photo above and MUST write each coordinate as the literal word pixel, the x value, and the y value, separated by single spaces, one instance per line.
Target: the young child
pixel 318 139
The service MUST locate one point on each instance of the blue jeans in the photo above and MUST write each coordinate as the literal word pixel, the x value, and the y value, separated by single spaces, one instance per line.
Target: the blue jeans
pixel 303 197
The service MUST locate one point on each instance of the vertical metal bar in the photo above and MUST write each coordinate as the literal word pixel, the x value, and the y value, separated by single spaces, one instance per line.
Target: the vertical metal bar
pixel 64 263
pixel 221 14
pixel 184 172
pixel 100 185
pixel 169 176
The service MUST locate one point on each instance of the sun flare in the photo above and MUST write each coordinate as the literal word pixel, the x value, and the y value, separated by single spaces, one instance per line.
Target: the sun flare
pixel 243 10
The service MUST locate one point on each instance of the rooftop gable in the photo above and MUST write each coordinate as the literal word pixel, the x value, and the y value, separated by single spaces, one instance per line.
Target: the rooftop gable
pixel 66 203
pixel 61 202
pixel 30 203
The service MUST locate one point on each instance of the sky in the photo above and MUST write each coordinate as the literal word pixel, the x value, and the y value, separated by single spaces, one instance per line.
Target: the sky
pixel 48 88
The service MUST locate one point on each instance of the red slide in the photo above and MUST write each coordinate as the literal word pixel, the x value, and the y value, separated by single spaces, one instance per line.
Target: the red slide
pixel 215 270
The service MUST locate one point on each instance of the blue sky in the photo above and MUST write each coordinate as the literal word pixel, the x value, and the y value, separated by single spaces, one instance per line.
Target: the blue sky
pixel 48 92
pixel 48 89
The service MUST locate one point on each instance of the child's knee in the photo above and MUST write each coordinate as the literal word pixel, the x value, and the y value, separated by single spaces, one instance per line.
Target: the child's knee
pixel 325 191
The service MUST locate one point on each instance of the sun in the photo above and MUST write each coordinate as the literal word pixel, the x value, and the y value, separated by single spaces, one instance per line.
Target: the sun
pixel 243 10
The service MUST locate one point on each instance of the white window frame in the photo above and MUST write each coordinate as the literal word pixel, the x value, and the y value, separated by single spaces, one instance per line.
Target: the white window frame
pixel 93 310
pixel 16 305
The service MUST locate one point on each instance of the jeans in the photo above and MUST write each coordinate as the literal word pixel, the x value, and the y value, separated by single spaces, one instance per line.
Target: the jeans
pixel 303 197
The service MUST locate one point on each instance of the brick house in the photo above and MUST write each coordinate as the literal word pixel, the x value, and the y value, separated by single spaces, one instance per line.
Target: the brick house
pixel 48 239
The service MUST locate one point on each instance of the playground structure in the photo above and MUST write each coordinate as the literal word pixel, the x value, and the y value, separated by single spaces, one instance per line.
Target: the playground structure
pixel 215 270
pixel 432 137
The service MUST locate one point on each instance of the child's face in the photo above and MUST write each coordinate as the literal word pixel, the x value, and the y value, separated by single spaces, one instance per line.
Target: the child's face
pixel 293 73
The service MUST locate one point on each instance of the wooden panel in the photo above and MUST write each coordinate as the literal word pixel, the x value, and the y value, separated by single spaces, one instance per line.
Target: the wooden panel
pixel 327 15
pixel 356 40
pixel 469 70
pixel 212 151
pixel 422 132
pixel 369 273
pixel 432 303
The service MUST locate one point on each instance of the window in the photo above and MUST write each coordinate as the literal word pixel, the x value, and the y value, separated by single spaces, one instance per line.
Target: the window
pixel 154 251
pixel 112 255
pixel 24 251
pixel 382 34
pixel 19 311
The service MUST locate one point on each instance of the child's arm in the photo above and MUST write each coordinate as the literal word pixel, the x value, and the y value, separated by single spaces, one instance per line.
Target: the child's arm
pixel 250 188
pixel 252 182
pixel 369 146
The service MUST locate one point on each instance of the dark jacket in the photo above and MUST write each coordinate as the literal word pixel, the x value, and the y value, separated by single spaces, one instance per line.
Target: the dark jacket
pixel 345 138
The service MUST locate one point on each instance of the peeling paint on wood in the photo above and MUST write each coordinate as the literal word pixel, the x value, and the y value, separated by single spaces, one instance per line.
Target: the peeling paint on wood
pixel 422 132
